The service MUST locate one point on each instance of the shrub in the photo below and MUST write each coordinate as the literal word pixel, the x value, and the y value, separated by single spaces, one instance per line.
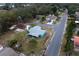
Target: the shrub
pixel 43 18
pixel 69 33
pixel 33 25
pixel 78 33
pixel 12 43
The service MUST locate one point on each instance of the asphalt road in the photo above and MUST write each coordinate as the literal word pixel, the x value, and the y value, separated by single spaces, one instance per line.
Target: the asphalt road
pixel 55 44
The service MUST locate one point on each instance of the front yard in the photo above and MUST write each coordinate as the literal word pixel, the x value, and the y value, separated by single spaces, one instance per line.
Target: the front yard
pixel 36 46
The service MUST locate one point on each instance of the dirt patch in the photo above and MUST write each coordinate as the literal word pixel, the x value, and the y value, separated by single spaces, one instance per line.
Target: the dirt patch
pixel 62 53
pixel 5 37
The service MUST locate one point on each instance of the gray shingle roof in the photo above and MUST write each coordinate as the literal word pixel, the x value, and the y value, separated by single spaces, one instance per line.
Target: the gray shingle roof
pixel 8 52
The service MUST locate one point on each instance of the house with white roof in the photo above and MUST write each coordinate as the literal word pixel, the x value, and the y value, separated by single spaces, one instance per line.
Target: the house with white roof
pixel 36 31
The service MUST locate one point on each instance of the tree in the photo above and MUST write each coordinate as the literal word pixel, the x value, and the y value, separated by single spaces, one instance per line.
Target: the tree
pixel 78 33
pixel 19 5
pixel 71 9
pixel 43 18
pixel 34 12
pixel 12 43
pixel 44 10
pixel 8 16
pixel 69 33
pixel 7 19
pixel 54 9
pixel 24 12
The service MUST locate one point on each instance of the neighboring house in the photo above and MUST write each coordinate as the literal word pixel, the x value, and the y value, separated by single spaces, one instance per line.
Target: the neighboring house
pixel 2 6
pixel 50 23
pixel 76 30
pixel 8 52
pixel 54 17
pixel 36 31
pixel 76 43
pixel 77 21
pixel 12 27
pixel 77 14
pixel 77 17
pixel 50 17
pixel 19 30
pixel 20 27
pixel 75 39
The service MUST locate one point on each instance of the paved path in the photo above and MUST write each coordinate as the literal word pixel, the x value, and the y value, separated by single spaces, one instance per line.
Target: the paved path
pixel 55 44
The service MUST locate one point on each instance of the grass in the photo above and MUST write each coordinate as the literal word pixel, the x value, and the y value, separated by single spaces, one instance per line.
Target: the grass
pixel 23 38
pixel 37 50
pixel 20 37
pixel 40 45
pixel 71 18
pixel 32 25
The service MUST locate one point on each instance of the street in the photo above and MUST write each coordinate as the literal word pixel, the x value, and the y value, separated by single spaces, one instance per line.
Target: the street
pixel 55 44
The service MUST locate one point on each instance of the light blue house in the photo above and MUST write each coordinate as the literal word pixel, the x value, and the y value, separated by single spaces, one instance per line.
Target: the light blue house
pixel 36 31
